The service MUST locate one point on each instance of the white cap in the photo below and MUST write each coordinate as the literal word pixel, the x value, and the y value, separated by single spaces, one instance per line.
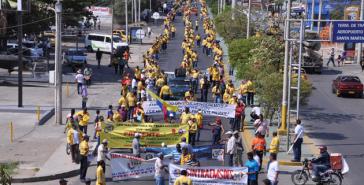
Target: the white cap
pixel 229 132
pixel 235 132
pixel 137 135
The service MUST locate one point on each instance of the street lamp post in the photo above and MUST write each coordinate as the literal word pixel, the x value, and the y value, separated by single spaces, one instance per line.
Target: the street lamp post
pixel 312 13
pixel 20 54
pixel 233 4
pixel 360 45
pixel 58 64
pixel 248 21
pixel 126 21
pixel 283 128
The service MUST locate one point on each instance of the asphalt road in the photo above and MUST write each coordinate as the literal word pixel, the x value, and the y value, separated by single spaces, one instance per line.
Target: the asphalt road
pixel 337 122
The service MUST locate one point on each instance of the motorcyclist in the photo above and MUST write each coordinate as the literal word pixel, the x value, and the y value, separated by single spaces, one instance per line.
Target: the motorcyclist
pixel 320 164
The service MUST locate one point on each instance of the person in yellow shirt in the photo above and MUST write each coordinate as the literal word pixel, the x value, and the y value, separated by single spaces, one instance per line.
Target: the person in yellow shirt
pixel 243 91
pixel 83 122
pixel 251 91
pixel 199 121
pixel 84 149
pixel 216 92
pixel 173 30
pixel 185 156
pixel 215 75
pixel 123 101
pixel 185 116
pixel 226 97
pixel 166 92
pixel 274 144
pixel 159 84
pixel 198 40
pixel 100 175
pixel 192 123
pixel 74 137
pixel 132 100
pixel 116 117
pixel 138 73
pixel 233 100
pixel 183 179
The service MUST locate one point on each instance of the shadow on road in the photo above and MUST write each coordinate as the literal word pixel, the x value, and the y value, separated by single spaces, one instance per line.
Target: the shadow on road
pixel 326 136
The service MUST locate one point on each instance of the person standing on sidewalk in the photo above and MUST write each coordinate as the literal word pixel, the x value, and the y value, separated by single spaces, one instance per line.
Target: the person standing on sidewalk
pixel 73 139
pixel 331 58
pixel 273 169
pixel 274 144
pixel 297 141
pixel 259 147
pixel 159 167
pixel 98 57
pixel 231 147
pixel 84 149
pixel 253 169
pixel 79 80
pixel 84 96
pixel 251 91
pixel 238 158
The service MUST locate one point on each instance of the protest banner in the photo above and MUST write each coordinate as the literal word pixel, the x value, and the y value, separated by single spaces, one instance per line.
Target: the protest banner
pixel 127 167
pixel 218 154
pixel 208 109
pixel 120 135
pixel 210 175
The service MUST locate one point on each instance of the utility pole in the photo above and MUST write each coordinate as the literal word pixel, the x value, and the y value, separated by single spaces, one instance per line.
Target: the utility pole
pixel 20 54
pixel 218 6
pixel 58 64
pixel 233 4
pixel 112 30
pixel 135 11
pixel 312 13
pixel 319 17
pixel 283 128
pixel 360 45
pixel 139 10
pixel 150 5
pixel 248 22
pixel 132 11
pixel 126 21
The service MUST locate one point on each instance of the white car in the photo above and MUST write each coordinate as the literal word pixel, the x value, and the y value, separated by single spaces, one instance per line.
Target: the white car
pixel 95 41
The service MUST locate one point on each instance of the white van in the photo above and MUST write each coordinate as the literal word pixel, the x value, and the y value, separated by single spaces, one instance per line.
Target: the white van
pixel 94 41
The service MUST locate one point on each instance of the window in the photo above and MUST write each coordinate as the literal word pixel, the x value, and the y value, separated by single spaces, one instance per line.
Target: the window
pixel 96 38
pixel 108 39
pixel 350 79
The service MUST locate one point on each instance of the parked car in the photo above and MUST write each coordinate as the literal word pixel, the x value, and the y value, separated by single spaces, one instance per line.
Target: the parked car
pixel 76 58
pixel 347 85
pixel 121 33
pixel 35 48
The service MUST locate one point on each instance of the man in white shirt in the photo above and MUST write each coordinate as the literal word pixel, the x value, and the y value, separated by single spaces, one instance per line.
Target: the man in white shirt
pixel 159 167
pixel 184 144
pixel 273 169
pixel 79 80
pixel 102 153
pixel 136 145
pixel 255 112
pixel 231 147
pixel 298 140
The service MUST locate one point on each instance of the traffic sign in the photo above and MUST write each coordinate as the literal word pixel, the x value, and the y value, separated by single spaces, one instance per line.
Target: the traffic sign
pixel 348 31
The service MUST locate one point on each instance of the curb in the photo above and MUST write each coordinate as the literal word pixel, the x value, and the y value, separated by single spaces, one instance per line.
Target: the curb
pixel 69 174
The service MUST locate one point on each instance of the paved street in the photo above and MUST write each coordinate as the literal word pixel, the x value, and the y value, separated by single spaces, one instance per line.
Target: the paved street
pixel 337 122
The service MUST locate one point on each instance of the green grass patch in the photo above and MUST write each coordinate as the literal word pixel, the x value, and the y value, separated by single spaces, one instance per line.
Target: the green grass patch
pixel 9 167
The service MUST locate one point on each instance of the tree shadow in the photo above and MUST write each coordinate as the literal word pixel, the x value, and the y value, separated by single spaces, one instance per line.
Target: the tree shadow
pixel 326 135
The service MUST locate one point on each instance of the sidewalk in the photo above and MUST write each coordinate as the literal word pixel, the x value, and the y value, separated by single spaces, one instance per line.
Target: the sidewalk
pixel 41 154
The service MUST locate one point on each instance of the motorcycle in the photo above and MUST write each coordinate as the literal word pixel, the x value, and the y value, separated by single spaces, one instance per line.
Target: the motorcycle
pixel 329 177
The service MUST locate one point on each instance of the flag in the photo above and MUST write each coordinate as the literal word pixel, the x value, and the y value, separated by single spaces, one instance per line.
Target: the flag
pixel 166 108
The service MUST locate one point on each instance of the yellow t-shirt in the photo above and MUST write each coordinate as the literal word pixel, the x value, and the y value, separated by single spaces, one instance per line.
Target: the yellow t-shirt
pixel 192 127
pixel 199 120
pixel 185 117
pixel 165 90
pixel 182 180
pixel 122 101
pixel 85 119
pixel 84 148
pixel 131 100
pixel 185 158
pixel 159 82
pixel 100 176
pixel 274 145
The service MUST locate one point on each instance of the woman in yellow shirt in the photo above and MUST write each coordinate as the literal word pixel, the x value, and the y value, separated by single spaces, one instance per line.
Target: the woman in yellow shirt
pixel 100 175
pixel 185 156
pixel 132 100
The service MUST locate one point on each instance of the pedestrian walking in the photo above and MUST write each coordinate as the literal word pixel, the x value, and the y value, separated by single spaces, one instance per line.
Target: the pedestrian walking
pixel 238 161
pixel 204 86
pixel 297 141
pixel 84 95
pixel 73 140
pixel 99 23
pixel 136 145
pixel 160 169
pixel 192 131
pixel 84 149
pixel 231 147
pixel 273 169
pixel 102 152
pixel 87 73
pixel 79 78
pixel 126 57
pixel 253 169
pixel 183 179
pixel 199 120
pixel 98 57
pixel 239 116
pixel 84 120
pixel 149 31
pixel 217 130
pixel 259 147
pixel 331 58
pixel 261 126
pixel 100 173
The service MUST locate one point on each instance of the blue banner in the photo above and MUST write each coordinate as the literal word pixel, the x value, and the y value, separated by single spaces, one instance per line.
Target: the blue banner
pixel 348 31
